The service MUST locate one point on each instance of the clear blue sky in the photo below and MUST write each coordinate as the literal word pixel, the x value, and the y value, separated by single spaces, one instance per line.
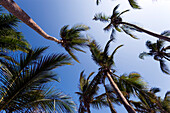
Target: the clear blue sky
pixel 51 15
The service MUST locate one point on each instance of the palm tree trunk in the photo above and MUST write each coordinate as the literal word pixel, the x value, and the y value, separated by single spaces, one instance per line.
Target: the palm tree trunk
pixel 147 32
pixel 128 107
pixel 13 8
pixel 88 108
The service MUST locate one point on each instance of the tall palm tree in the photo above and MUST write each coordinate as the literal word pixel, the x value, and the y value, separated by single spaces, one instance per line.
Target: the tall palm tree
pixel 10 38
pixel 132 3
pixel 88 95
pixel 159 53
pixel 106 62
pixel 115 22
pixel 25 83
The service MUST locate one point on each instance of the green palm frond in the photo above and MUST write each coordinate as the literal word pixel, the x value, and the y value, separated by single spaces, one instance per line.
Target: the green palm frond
pixel 8 21
pixel 23 86
pixel 99 103
pixel 131 84
pixel 101 17
pixel 10 38
pixel 166 101
pixel 9 43
pixel 134 4
pixel 96 52
pixel 105 52
pixel 72 39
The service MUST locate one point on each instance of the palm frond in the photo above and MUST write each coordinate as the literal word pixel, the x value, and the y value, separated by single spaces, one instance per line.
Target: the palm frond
pixel 115 12
pixel 72 54
pixel 134 4
pixel 123 12
pixel 166 33
pixel 142 55
pixel 8 21
pixel 101 17
pixel 126 30
pixel 164 67
pixel 115 50
pixel 99 103
pixel 108 27
pixel 24 84
pixel 155 90
pixel 72 39
pixel 105 52
pixel 96 52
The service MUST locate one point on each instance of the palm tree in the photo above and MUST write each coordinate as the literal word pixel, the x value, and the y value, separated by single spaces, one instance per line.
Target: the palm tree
pixel 10 38
pixel 132 3
pixel 106 62
pixel 88 95
pixel 159 53
pixel 25 83
pixel 72 39
pixel 115 22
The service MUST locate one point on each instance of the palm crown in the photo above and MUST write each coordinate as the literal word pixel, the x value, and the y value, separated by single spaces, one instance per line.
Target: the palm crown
pixel 10 38
pixel 115 22
pixel 159 53
pixel 101 57
pixel 72 39
pixel 25 83
pixel 89 93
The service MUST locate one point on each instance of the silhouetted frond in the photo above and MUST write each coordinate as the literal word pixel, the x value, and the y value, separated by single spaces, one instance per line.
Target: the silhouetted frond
pixel 134 4
pixel 166 33
pixel 142 55
pixel 164 67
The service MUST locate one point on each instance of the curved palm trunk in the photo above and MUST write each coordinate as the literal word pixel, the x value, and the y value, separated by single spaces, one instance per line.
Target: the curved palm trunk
pixel 128 107
pixel 13 8
pixel 147 32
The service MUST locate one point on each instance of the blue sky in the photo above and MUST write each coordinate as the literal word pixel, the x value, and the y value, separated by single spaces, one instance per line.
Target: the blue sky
pixel 51 15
